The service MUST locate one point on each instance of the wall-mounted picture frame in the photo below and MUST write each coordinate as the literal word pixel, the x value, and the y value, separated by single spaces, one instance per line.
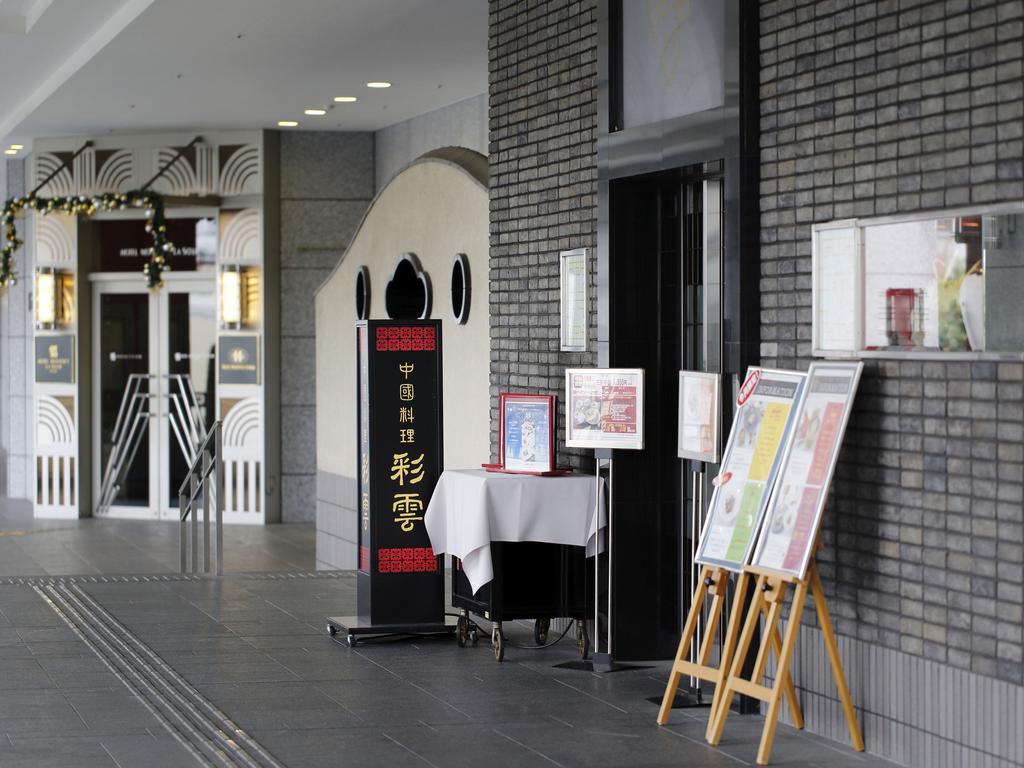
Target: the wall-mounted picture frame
pixel 699 409
pixel 573 276
pixel 526 432
pixel 604 408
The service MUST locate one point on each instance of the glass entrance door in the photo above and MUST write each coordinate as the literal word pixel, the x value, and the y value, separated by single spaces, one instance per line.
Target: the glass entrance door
pixel 158 335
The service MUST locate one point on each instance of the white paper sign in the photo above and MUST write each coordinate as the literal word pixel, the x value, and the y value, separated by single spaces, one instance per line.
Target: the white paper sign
pixel 698 415
pixel 573 277
pixel 604 408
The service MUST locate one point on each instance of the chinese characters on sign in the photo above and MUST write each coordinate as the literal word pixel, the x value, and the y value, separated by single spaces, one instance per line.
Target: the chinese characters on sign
pixel 400 461
pixel 764 417
pixel 604 408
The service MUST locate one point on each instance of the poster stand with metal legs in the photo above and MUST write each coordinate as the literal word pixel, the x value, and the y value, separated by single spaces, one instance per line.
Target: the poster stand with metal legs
pixel 603 662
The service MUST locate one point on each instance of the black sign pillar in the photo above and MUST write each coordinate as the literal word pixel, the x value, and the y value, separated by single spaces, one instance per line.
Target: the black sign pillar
pixel 400 579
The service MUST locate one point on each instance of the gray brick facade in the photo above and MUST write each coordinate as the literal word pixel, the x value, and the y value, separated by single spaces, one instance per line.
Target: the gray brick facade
pixel 543 115
pixel 875 108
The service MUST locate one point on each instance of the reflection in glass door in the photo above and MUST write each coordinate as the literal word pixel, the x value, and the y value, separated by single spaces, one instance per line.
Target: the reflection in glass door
pixel 123 351
pixel 163 334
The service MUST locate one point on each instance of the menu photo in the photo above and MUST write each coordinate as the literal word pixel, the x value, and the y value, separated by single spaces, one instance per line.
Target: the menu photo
pixel 764 418
pixel 794 512
pixel 604 408
pixel 527 432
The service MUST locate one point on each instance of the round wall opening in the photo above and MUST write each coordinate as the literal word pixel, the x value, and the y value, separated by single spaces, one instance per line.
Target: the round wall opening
pixel 363 294
pixel 460 289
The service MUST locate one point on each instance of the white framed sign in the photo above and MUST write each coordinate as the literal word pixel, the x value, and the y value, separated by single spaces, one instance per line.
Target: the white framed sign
pixel 698 415
pixel 573 305
pixel 765 413
pixel 794 512
pixel 604 408
pixel 837 276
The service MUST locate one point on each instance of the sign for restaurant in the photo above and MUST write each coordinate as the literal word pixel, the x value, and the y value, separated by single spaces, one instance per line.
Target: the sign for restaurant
pixel 55 359
pixel 764 419
pixel 604 408
pixel 794 512
pixel 400 579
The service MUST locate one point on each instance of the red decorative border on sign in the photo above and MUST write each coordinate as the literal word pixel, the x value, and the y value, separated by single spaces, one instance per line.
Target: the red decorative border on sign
pixel 405 338
pixel 364 559
pixel 406 560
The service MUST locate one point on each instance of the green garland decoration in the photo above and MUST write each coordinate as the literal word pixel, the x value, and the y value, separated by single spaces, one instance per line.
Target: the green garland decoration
pixel 156 226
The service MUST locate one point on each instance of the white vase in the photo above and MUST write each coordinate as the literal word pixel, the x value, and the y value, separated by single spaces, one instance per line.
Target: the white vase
pixel 972 307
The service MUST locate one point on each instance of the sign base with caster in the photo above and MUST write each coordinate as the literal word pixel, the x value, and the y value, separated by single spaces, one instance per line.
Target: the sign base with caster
pixel 355 628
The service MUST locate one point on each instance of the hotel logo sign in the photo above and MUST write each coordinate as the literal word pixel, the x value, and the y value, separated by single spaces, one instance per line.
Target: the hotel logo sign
pixel 238 359
pixel 55 359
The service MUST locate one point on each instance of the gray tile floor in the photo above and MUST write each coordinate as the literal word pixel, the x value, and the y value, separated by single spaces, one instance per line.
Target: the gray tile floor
pixel 254 647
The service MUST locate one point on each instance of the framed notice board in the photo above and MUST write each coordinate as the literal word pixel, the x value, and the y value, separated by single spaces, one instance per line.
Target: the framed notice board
pixel 400 579
pixel 765 412
pixel 794 512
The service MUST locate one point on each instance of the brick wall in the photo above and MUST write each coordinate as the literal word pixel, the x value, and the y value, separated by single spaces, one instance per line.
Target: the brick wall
pixel 543 114
pixel 879 108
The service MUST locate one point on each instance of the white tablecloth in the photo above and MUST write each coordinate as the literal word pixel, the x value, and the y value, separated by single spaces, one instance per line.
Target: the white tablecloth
pixel 471 508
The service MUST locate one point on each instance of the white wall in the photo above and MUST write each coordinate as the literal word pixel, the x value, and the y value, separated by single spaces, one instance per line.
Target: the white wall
pixel 434 209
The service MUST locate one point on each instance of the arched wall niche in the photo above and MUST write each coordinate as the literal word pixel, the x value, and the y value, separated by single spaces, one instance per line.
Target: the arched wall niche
pixel 436 208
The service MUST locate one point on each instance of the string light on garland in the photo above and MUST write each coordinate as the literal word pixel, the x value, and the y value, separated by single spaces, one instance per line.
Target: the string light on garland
pixel 156 227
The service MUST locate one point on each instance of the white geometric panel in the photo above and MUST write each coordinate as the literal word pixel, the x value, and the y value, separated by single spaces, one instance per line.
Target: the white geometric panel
pixel 55 240
pixel 54 425
pixel 62 184
pixel 241 173
pixel 240 239
pixel 56 481
pixel 179 178
pixel 117 173
pixel 85 171
pixel 243 459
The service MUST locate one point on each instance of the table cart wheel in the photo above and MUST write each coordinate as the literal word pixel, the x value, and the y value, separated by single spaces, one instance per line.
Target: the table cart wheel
pixel 332 630
pixel 582 639
pixel 462 631
pixel 351 639
pixel 498 642
pixel 540 631
pixel 474 635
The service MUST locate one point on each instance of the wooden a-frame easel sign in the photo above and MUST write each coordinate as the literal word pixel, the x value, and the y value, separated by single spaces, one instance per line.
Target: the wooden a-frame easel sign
pixel 786 538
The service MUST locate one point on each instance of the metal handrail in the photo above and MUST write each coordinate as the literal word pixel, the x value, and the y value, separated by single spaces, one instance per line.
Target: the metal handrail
pixel 203 485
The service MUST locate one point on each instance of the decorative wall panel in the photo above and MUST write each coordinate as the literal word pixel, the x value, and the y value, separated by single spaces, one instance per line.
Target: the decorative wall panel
pixel 56 454
pixel 243 458
pixel 241 173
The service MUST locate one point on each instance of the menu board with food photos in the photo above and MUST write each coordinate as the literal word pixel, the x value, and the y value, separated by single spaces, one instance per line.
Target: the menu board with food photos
pixel 795 509
pixel 604 408
pixel 764 418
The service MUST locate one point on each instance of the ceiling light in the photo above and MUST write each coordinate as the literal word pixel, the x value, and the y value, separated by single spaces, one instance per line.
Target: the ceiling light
pixel 315 112
pixel 10 151
pixel 17 146
pixel 344 99
pixel 287 123
pixel 378 84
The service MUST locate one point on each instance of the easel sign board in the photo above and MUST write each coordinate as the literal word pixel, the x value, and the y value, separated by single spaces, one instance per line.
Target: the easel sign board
pixel 698 415
pixel 765 414
pixel 794 512
pixel 604 408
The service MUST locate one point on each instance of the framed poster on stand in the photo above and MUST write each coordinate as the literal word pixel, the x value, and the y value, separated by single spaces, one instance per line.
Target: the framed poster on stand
pixel 604 408
pixel 793 517
pixel 526 432
pixel 698 415
pixel 765 413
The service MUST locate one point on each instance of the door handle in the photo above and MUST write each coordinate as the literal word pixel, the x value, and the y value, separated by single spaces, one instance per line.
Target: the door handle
pixel 115 356
pixel 179 356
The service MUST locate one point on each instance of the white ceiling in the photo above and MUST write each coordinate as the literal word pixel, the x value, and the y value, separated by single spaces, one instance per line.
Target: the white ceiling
pixel 97 66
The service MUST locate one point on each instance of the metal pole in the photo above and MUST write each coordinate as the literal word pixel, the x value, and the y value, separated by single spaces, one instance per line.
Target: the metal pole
pixel 611 506
pixel 693 553
pixel 182 533
pixel 219 500
pixel 597 554
pixel 194 487
pixel 207 482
